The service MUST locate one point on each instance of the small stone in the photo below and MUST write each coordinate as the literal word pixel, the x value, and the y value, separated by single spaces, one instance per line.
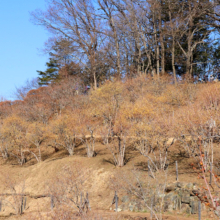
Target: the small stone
pixel 180 184
pixel 176 202
pixel 185 197
pixel 124 207
pixel 118 210
pixel 189 186
pixel 170 188
pixel 194 204
pixel 131 208
pixel 170 202
pixel 185 209
pixel 125 199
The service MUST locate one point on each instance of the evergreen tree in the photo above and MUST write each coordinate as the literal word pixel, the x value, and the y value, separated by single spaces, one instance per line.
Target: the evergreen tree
pixel 215 59
pixel 50 75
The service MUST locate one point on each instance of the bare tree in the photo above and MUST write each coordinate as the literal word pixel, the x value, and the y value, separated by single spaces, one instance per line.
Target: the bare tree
pixel 148 192
pixel 21 92
pixel 68 193
pixel 36 134
pixel 172 29
pixel 13 194
pixel 75 21
pixel 108 9
pixel 193 14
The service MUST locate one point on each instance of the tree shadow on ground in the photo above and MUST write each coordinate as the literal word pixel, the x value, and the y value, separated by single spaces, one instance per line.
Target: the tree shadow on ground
pixel 111 161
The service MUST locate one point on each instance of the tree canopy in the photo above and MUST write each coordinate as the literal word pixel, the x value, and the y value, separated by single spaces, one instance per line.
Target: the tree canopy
pixel 108 38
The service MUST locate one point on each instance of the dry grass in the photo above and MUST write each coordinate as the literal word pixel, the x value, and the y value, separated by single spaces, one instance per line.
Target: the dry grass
pixel 98 185
pixel 169 111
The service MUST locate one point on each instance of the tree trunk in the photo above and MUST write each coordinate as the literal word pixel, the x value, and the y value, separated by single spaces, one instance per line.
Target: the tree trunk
pixel 173 45
pixel 93 69
pixel 121 153
pixel 90 152
pixel 189 52
pixel 117 48
pixel 4 153
pixel 158 60
pixel 188 66
pixel 157 55
pixel 23 159
pixel 173 62
pixel 149 66
pixel 162 46
pixel 70 150
pixel 95 80
pixel 39 153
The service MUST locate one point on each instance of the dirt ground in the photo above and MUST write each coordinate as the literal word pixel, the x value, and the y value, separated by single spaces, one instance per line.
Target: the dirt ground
pixel 35 179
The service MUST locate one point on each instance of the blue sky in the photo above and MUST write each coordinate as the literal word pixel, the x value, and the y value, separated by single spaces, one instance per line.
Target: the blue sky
pixel 21 44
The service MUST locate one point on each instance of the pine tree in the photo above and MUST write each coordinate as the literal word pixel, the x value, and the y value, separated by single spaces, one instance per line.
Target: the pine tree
pixel 50 75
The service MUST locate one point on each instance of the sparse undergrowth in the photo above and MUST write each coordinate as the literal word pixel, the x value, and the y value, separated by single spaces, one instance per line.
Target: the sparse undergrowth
pixel 132 125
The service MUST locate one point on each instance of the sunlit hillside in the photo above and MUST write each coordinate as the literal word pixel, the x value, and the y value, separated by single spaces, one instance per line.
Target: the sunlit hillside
pixel 65 150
